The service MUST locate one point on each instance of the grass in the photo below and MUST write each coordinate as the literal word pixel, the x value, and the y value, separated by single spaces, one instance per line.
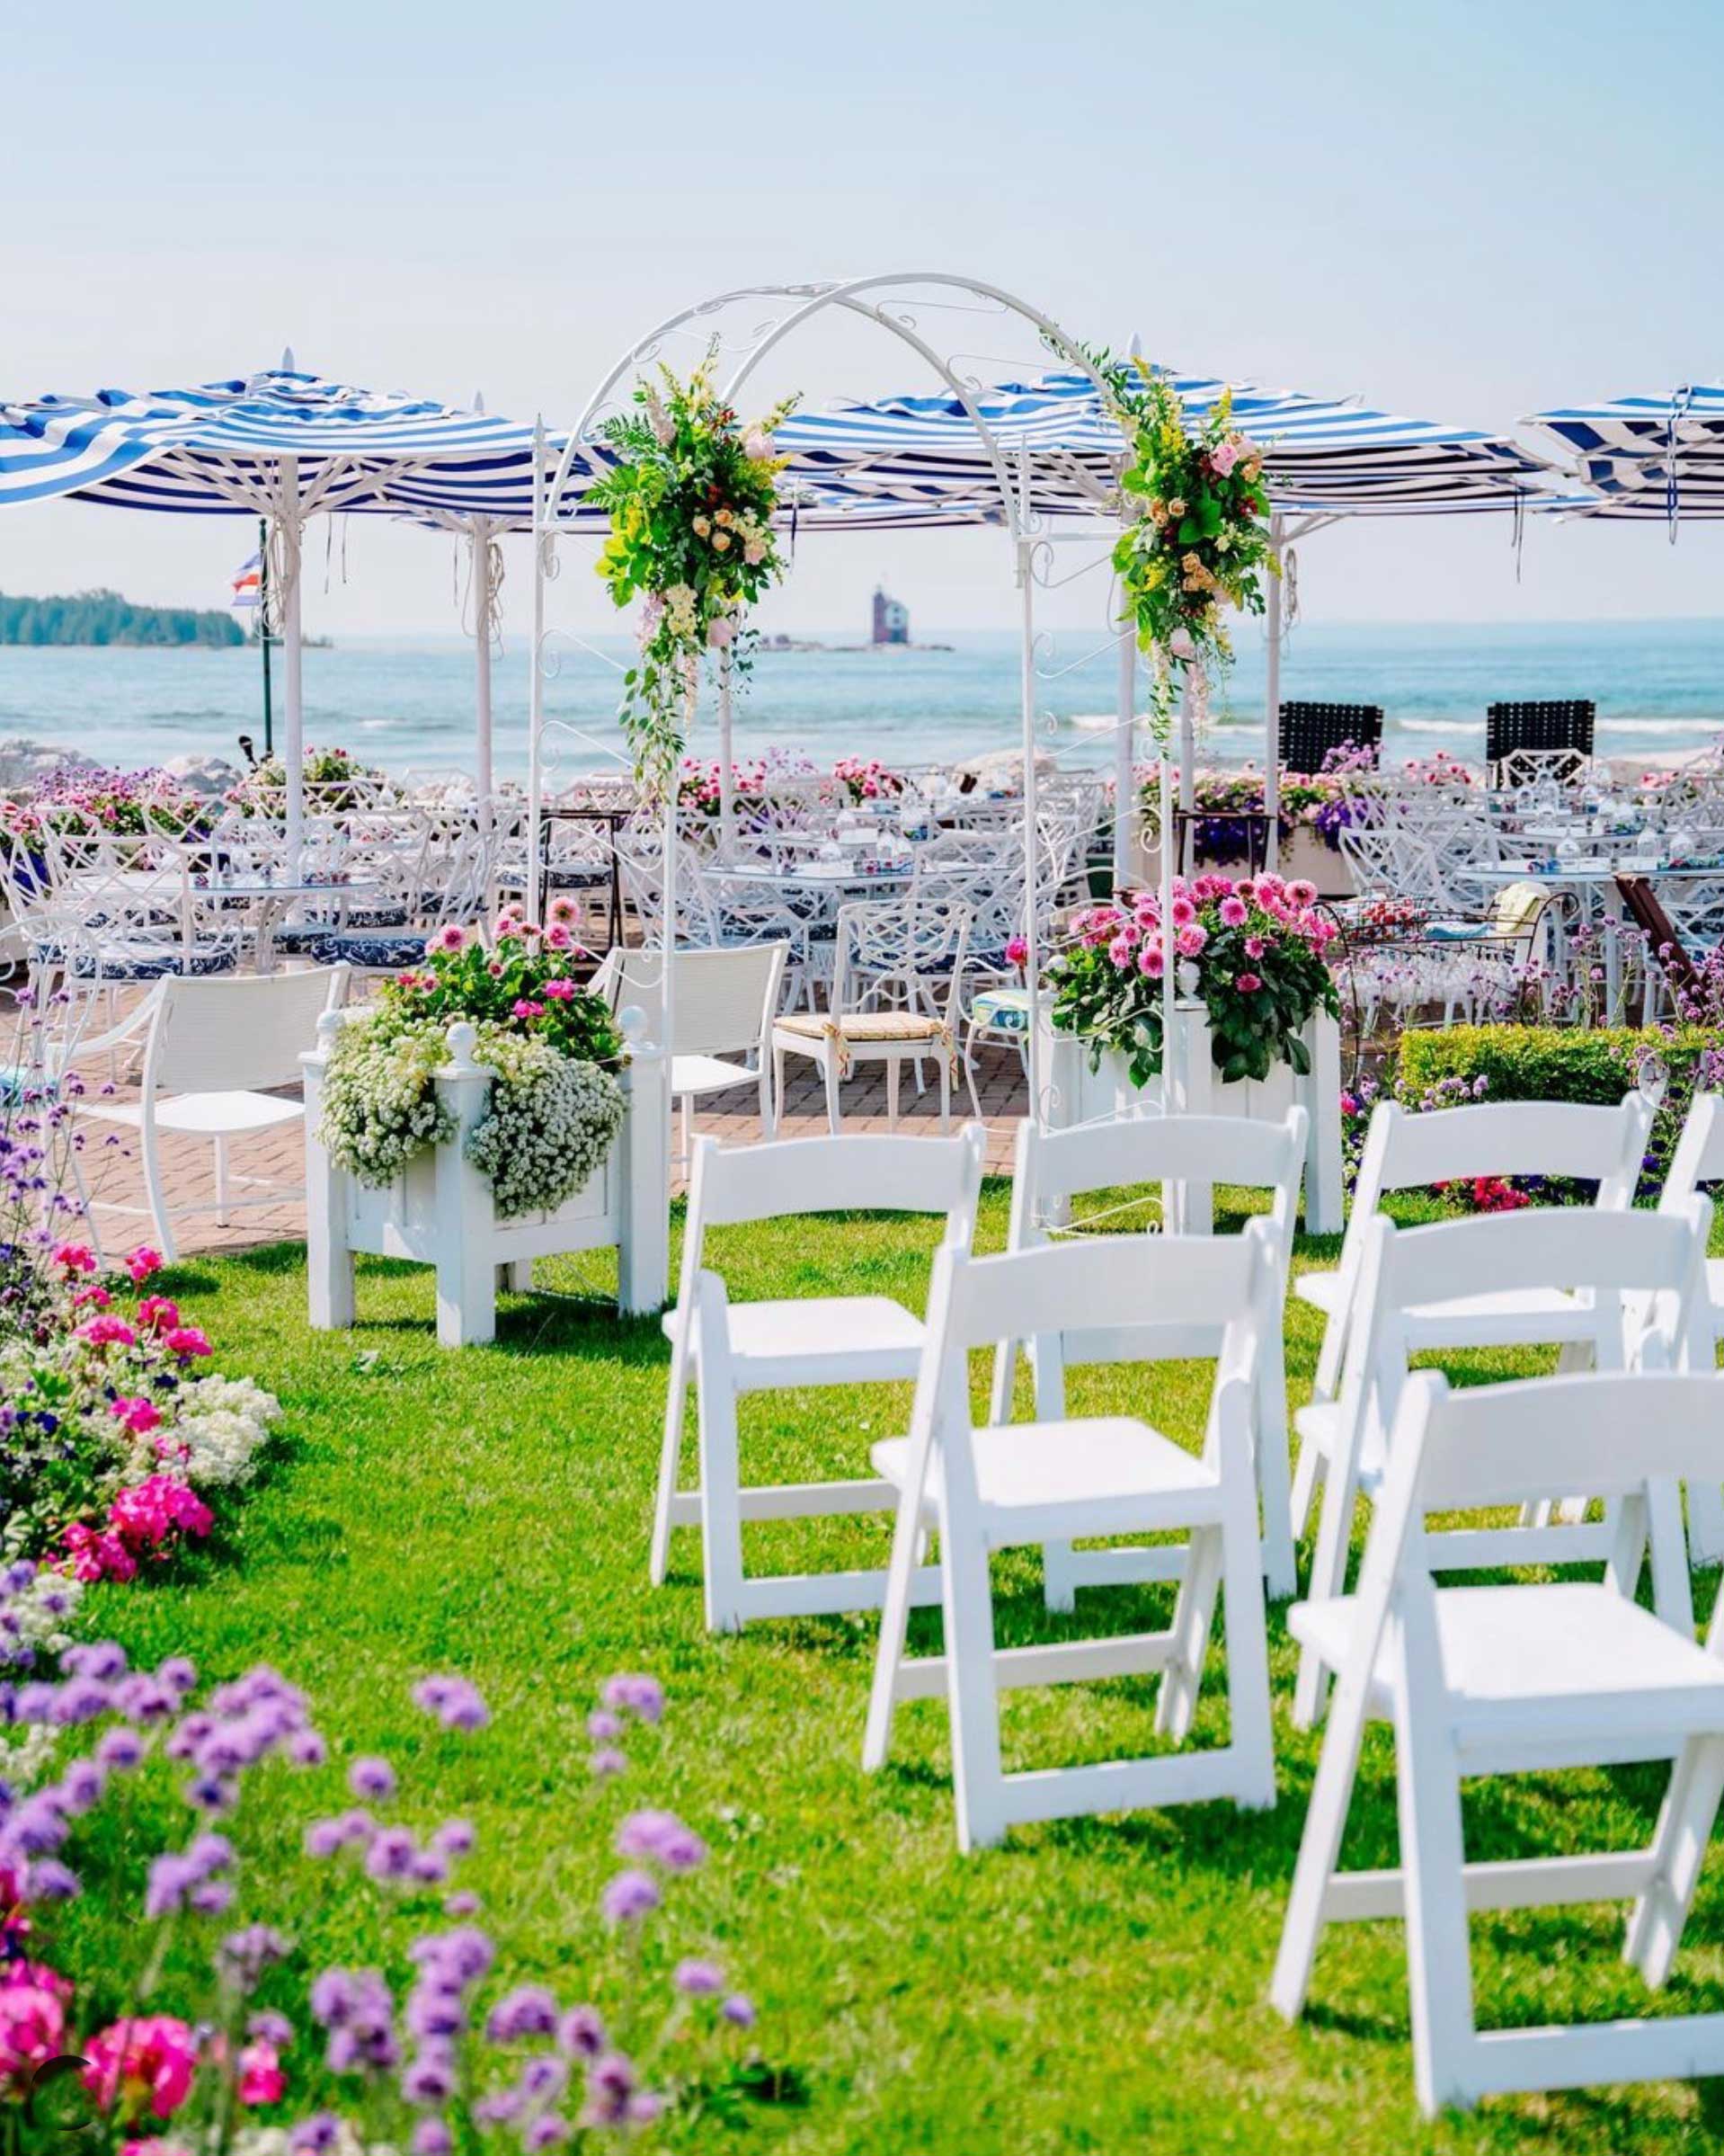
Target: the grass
pixel 1093 1985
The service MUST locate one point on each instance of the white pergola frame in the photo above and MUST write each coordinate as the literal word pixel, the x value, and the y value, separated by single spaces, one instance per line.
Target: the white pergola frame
pixel 889 301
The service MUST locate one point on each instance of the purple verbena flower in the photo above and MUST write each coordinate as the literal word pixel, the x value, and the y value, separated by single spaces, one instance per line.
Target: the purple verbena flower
pixel 629 1896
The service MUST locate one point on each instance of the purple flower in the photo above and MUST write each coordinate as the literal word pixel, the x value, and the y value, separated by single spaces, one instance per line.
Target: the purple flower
pixel 246 1954
pixel 49 1880
pixel 305 1748
pixel 635 1695
pixel 170 1879
pixel 528 2011
pixel 604 1727
pixel 103 1659
pixel 629 1896
pixel 432 2137
pixel 315 2134
pixel 268 2027
pixel 610 2082
pixel 119 1751
pixel 372 1777
pixel 465 1903
pixel 548 2132
pixel 81 1699
pixel 739 2009
pixel 453 1701
pixel 661 1837
pixel 324 1838
pixel 81 1786
pixel 454 1837
pixel 429 2079
pixel 607 1762
pixel 177 1673
pixel 433 2010
pixel 333 1998
pixel 391 1854
pixel 211 1897
pixel 581 2033
pixel 699 1979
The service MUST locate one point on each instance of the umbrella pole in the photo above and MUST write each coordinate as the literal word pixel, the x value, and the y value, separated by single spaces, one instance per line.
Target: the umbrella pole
pixel 1032 955
pixel 1169 947
pixel 264 631
pixel 482 604
pixel 1272 714
pixel 293 730
pixel 1124 721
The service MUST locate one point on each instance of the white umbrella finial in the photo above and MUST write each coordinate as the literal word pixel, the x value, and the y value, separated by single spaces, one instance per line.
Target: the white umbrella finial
pixel 286 359
pixel 479 400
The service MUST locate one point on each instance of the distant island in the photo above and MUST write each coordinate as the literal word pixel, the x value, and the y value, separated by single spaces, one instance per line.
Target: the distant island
pixel 105 618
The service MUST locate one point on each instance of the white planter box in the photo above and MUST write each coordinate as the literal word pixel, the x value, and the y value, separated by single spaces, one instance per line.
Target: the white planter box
pixel 1077 1094
pixel 438 1211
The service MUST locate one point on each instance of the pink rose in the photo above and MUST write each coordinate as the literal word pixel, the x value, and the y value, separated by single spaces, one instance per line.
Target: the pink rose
pixel 33 2000
pixel 148 2058
pixel 93 1298
pixel 1223 458
pixel 722 633
pixel 557 937
pixel 1248 983
pixel 1016 952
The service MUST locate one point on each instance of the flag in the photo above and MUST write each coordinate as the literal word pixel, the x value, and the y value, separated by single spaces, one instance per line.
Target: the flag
pixel 248 578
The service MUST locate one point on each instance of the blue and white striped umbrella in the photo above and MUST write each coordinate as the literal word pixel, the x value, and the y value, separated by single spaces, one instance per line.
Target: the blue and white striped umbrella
pixel 1320 456
pixel 224 449
pixel 1647 456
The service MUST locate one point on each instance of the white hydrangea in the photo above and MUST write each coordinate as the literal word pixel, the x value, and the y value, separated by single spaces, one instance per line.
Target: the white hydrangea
pixel 221 1424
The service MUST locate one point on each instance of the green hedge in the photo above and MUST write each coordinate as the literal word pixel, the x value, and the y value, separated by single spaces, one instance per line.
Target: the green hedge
pixel 1559 1063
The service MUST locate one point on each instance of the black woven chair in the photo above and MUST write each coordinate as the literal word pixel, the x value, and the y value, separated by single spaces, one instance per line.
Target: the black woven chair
pixel 1544 729
pixel 1309 732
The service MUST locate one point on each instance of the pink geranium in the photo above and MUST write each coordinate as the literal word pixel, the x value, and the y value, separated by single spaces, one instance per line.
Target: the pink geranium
pixel 560 991
pixel 525 1007
pixel 158 1313
pixel 97 1553
pixel 187 1340
pixel 33 2000
pixel 139 1415
pixel 73 1257
pixel 106 1331
pixel 261 2078
pixel 142 1263
pixel 450 938
pixel 145 2063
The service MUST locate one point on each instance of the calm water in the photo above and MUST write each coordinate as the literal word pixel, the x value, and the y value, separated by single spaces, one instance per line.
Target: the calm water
pixel 1659 688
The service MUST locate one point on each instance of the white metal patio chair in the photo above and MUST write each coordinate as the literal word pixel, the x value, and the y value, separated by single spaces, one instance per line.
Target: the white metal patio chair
pixel 727 1350
pixel 1699 1158
pixel 1004 1487
pixel 1629 1278
pixel 897 979
pixel 214 1052
pixel 1052 1167
pixel 1407 1151
pixel 1485 1681
pixel 723 1003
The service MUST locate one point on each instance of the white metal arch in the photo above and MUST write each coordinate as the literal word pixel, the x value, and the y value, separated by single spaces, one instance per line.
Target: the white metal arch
pixel 869 298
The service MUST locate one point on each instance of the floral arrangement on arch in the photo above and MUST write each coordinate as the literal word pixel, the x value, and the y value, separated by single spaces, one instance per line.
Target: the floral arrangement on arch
pixel 556 1107
pixel 1200 541
pixel 1252 951
pixel 866 779
pixel 691 494
pixel 184 1809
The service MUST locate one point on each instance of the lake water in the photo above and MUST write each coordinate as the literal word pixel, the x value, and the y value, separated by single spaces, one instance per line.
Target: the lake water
pixel 1659 688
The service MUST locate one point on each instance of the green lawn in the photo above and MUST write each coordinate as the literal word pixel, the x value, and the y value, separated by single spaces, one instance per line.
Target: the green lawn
pixel 1096 1984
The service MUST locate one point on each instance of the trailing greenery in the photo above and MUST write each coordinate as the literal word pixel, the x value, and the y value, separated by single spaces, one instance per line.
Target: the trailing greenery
pixel 1566 1062
pixel 104 617
pixel 1094 1986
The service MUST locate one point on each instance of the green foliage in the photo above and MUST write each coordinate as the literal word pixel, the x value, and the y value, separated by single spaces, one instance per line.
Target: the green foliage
pixel 104 617
pixel 691 494
pixel 1566 1062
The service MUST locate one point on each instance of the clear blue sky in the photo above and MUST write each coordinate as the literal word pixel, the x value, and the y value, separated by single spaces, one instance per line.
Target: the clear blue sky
pixel 1463 211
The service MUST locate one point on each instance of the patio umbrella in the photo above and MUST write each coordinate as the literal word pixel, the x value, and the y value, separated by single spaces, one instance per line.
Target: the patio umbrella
pixel 282 445
pixel 1647 457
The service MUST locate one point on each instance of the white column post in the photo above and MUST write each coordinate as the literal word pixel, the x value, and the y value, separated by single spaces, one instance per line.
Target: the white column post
pixel 1124 733
pixel 483 599
pixel 293 717
pixel 329 1262
pixel 726 782
pixel 536 678
pixel 1187 743
pixel 643 1163
pixel 1027 694
pixel 1272 671
pixel 466 1211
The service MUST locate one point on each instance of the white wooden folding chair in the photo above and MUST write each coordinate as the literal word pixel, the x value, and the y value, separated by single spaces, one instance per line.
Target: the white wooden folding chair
pixel 1511 1680
pixel 1024 1482
pixel 1633 1276
pixel 723 1003
pixel 217 1057
pixel 1409 1152
pixel 728 1349
pixel 1699 1158
pixel 1052 1167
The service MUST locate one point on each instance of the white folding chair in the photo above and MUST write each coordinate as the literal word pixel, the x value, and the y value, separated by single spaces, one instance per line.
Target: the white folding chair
pixel 1509 1679
pixel 1003 1487
pixel 723 1003
pixel 1633 1279
pixel 1052 1167
pixel 1699 1158
pixel 1406 1152
pixel 214 1050
pixel 726 1351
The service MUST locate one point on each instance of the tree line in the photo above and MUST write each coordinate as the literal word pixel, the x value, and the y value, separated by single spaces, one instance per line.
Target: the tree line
pixel 103 617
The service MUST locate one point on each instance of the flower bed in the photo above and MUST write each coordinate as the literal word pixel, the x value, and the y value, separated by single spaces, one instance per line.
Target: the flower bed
pixel 331 777
pixel 83 799
pixel 1252 951
pixel 1323 802
pixel 219 2036
pixel 867 779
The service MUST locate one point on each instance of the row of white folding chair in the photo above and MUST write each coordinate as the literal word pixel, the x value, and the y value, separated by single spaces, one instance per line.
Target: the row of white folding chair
pixel 1698 1159
pixel 728 1350
pixel 1052 1480
pixel 1630 1278
pixel 1184 1154
pixel 1513 1680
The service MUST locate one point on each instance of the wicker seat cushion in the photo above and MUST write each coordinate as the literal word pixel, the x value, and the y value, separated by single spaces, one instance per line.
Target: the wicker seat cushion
pixel 866 1025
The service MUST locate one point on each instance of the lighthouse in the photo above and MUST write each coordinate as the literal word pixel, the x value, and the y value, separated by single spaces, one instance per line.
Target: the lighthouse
pixel 891 618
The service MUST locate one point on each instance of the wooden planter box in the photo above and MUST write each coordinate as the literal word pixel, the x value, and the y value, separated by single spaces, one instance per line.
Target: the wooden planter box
pixel 1080 1095
pixel 438 1211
